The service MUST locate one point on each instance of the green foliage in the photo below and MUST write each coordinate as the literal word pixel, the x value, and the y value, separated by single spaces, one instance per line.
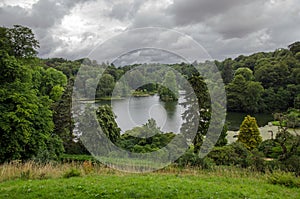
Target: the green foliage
pixel 72 173
pixel 106 119
pixel 145 139
pixel 249 133
pixel 289 143
pixel 26 120
pixel 227 71
pixel 257 162
pixel 22 43
pixel 244 94
pixel 297 56
pixel 190 159
pixel 168 91
pixel 106 86
pixel 26 124
pixel 272 75
pixel 292 164
pixel 276 82
pixel 293 118
pixel 201 92
pixel 270 149
pixel 234 154
pixel 285 179
pixel 245 72
pixel 222 141
pixel 295 47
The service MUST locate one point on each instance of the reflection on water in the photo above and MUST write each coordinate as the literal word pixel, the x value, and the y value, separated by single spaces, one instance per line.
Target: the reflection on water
pixel 135 111
pixel 234 120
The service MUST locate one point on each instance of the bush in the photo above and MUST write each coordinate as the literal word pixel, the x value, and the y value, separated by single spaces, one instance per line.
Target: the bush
pixel 192 159
pixel 270 149
pixel 72 173
pixel 205 163
pixel 285 179
pixel 292 164
pixel 189 158
pixel 256 161
pixel 234 154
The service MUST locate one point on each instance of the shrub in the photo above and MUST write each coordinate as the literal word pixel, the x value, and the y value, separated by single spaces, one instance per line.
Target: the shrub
pixel 256 161
pixel 192 159
pixel 270 149
pixel 234 154
pixel 72 173
pixel 189 158
pixel 249 133
pixel 292 164
pixel 205 163
pixel 285 179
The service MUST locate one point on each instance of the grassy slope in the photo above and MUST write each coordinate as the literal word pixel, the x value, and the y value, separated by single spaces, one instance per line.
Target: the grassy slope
pixel 146 186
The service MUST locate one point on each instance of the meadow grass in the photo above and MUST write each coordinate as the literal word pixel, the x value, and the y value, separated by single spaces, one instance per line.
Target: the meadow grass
pixel 31 180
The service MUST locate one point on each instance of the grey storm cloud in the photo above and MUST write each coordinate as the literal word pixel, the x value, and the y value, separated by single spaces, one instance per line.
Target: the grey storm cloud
pixel 124 10
pixel 43 15
pixel 195 11
pixel 224 28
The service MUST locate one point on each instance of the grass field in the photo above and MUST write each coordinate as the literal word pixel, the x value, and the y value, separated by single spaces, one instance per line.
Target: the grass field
pixel 146 186
pixel 100 182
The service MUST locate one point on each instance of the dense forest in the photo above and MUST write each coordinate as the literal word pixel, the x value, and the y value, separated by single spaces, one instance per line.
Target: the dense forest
pixel 36 96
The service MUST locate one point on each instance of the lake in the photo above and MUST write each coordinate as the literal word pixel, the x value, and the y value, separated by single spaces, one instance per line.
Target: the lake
pixel 135 111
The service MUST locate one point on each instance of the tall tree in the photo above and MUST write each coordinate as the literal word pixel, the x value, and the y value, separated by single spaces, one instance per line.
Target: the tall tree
pixel 227 71
pixel 106 119
pixel 190 115
pixel 26 123
pixel 168 91
pixel 22 42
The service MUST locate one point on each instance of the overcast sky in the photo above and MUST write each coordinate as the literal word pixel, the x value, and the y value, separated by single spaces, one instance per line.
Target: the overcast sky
pixel 225 28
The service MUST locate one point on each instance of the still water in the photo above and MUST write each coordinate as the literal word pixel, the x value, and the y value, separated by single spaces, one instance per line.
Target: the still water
pixel 135 111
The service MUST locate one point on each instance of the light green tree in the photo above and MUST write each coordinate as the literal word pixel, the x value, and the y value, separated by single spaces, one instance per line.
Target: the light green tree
pixel 249 133
pixel 246 73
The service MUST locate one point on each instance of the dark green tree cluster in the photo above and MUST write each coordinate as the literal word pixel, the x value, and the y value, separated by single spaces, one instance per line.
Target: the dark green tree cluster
pixel 263 82
pixel 27 93
pixel 106 119
pixel 145 139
